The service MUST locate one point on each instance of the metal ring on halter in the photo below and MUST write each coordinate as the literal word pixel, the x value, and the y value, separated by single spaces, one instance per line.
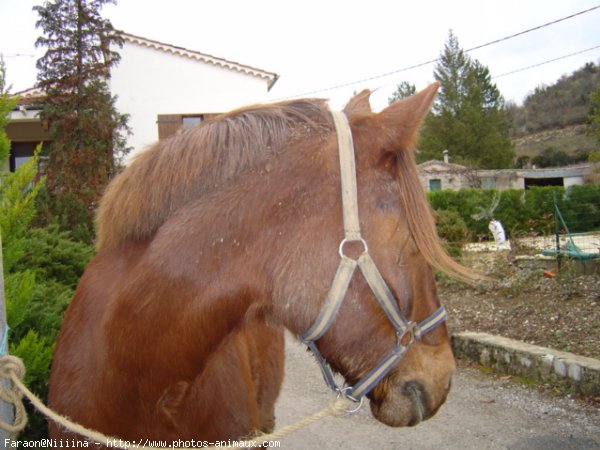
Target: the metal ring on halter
pixel 361 240
pixel 344 393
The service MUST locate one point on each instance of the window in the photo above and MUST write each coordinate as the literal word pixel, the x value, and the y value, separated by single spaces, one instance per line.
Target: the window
pixel 192 121
pixel 169 124
pixel 488 183
pixel 21 152
pixel 435 184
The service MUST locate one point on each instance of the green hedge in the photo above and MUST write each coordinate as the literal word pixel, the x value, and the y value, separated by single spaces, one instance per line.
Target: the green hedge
pixel 529 212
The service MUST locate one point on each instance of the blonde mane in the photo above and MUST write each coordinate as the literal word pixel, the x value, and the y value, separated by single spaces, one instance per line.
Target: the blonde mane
pixel 196 161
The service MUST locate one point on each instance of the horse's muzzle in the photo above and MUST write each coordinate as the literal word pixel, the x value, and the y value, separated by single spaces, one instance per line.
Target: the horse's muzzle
pixel 406 405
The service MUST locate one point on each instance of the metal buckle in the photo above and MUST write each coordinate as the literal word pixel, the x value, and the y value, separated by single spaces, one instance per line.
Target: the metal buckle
pixel 344 392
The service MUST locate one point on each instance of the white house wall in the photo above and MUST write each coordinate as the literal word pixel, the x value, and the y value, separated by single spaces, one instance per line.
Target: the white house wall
pixel 149 82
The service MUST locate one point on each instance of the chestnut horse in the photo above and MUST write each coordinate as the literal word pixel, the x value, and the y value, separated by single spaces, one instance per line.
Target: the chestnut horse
pixel 213 241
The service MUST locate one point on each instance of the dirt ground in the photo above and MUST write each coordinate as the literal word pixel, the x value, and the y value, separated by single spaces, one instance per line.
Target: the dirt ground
pixel 524 303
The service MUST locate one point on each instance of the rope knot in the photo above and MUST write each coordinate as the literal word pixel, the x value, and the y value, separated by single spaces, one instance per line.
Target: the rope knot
pixel 11 369
pixel 10 365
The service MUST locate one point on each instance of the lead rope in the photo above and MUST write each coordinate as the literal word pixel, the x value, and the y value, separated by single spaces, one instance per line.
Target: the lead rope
pixel 12 370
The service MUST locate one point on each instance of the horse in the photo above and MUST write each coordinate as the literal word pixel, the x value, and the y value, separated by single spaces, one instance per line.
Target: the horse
pixel 212 242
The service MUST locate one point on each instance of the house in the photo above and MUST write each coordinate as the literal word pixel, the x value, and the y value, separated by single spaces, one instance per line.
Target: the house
pixel 437 175
pixel 25 129
pixel 161 87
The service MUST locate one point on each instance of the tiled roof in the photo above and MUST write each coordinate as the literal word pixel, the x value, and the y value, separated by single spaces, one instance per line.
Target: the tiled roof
pixel 33 95
pixel 192 54
pixel 30 96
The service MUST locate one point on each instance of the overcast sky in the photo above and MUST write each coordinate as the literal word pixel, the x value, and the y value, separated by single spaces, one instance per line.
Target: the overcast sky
pixel 316 45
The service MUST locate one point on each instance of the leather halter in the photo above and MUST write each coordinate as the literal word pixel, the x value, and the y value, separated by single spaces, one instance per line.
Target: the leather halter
pixel 406 332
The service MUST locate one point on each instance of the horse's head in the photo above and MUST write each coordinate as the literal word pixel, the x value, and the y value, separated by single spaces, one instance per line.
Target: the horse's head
pixel 396 224
pixel 243 217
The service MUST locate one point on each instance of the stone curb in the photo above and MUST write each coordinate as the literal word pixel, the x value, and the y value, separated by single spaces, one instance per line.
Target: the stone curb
pixel 567 370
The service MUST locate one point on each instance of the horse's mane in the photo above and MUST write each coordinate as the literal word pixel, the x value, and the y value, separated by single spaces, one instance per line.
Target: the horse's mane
pixel 195 161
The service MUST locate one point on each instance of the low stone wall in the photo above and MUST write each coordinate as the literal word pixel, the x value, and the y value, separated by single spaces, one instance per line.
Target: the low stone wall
pixel 578 373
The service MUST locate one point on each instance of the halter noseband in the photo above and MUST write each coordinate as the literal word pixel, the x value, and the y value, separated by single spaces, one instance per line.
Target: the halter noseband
pixel 406 332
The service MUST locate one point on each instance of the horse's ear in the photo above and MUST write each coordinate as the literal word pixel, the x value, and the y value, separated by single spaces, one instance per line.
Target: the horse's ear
pixel 359 104
pixel 403 118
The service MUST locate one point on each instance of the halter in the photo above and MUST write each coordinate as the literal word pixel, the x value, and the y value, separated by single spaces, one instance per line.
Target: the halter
pixel 406 332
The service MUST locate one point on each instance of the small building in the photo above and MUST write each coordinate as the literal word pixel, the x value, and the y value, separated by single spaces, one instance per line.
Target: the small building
pixel 438 175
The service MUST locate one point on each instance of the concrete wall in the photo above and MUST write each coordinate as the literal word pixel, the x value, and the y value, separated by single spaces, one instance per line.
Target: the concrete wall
pixel 567 370
pixel 571 181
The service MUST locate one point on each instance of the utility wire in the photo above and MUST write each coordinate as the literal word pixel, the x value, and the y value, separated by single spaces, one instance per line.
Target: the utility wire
pixel 15 55
pixel 487 44
pixel 546 62
pixel 554 22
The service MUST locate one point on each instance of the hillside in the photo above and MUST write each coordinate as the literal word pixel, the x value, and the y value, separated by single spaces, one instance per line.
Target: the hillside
pixel 549 129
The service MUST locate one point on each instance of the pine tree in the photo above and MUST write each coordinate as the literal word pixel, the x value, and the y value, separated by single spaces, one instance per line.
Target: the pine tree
pixel 469 118
pixel 403 90
pixel 87 130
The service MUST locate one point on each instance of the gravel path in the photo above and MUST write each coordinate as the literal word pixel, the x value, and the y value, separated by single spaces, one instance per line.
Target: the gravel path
pixel 482 412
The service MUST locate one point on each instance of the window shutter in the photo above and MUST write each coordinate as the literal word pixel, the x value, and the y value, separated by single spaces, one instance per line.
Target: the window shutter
pixel 168 124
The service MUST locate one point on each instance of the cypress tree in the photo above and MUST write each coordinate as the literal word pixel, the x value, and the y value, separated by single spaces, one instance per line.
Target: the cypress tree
pixel 87 131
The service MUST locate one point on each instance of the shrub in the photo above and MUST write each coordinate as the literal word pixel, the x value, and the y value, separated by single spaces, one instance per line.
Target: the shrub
pixel 47 272
pixel 41 269
pixel 453 230
pixel 523 212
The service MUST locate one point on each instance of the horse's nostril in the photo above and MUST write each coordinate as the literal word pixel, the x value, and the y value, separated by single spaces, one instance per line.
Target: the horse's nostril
pixel 416 393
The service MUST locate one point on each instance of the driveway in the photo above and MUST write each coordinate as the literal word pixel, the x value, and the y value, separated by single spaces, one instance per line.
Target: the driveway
pixel 482 412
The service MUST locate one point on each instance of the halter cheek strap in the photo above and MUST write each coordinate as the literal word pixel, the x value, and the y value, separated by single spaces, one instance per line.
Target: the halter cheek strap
pixel 406 332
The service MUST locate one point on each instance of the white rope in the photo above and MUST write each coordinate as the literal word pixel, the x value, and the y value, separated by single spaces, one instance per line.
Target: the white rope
pixel 12 369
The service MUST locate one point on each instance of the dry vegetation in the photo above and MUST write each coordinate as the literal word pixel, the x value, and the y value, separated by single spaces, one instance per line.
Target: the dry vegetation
pixel 549 129
pixel 561 312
